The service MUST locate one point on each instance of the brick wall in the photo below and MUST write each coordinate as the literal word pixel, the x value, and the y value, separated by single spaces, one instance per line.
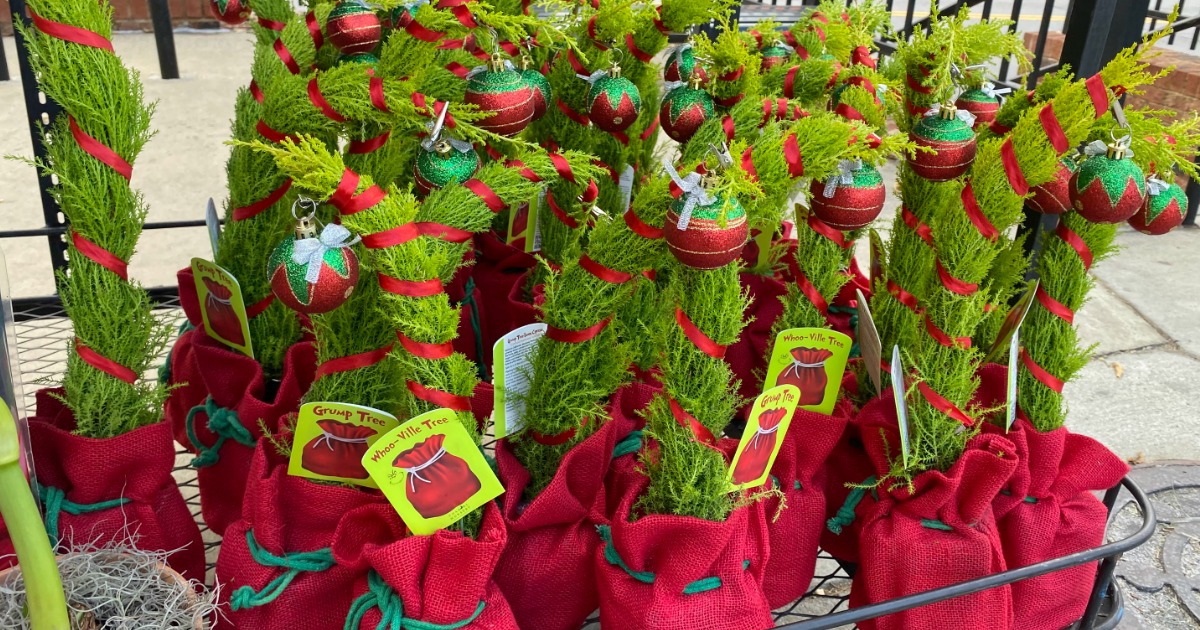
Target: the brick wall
pixel 134 15
pixel 1178 91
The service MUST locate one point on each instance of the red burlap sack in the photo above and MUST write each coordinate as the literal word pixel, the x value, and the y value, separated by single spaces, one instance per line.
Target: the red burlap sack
pixel 799 472
pixel 939 533
pixel 276 568
pixel 559 524
pixel 104 490
pixel 184 394
pixel 498 269
pixel 225 427
pixel 807 372
pixel 842 311
pixel 669 572
pixel 338 451
pixel 624 473
pixel 406 581
pixel 438 480
pixel 1048 511
pixel 747 357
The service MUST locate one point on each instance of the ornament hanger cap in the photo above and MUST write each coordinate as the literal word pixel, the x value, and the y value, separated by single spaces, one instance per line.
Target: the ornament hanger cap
pixel 948 111
pixel 695 81
pixel 496 62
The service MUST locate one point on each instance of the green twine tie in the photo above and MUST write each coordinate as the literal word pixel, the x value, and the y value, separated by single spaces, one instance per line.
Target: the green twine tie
pixel 845 514
pixel 476 326
pixel 295 563
pixel 221 421
pixel 630 444
pixel 930 523
pixel 164 370
pixel 55 502
pixel 855 352
pixel 646 577
pixel 391 607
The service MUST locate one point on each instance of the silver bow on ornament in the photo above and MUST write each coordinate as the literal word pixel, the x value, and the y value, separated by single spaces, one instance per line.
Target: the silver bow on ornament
pixel 593 77
pixel 1100 147
pixel 693 193
pixel 1155 186
pixel 311 251
pixel 508 65
pixel 434 127
pixel 991 90
pixel 961 114
pixel 844 176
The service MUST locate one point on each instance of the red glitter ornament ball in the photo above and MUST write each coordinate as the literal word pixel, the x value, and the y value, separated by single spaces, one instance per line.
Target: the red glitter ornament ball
pixel 334 283
pixel 1054 197
pixel 684 109
pixel 1162 212
pixel 353 27
pixel 1108 188
pixel 681 64
pixel 504 93
pixel 852 205
pixel 953 144
pixel 705 244
pixel 983 105
pixel 614 102
pixel 231 12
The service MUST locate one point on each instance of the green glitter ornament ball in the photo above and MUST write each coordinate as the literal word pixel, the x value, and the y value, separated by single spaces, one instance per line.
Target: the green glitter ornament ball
pixel 681 63
pixel 1162 212
pixel 363 58
pixel 953 144
pixel 774 55
pixel 1108 188
pixel 614 103
pixel 542 92
pixel 683 110
pixel 706 243
pixel 442 165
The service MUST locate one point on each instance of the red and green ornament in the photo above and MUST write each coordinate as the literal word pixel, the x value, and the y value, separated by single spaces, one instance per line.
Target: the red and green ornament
pixel 442 162
pixel 613 101
pixel 947 130
pixel 540 84
pixel 681 64
pixel 364 58
pixel 684 109
pixel 983 102
pixel 500 89
pixel 852 198
pixel 775 54
pixel 313 273
pixel 1165 207
pixel 704 231
pixel 1054 197
pixel 353 27
pixel 231 12
pixel 1108 187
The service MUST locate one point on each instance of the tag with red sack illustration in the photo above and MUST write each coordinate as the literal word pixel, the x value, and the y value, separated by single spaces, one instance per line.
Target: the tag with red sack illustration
pixel 222 306
pixel 765 429
pixel 431 471
pixel 331 439
pixel 812 360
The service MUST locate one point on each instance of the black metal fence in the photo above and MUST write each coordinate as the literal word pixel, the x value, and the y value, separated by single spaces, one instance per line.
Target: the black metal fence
pixel 1094 31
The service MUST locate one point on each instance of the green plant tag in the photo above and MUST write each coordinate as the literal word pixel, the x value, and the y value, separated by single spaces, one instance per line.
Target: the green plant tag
pixel 899 394
pixel 813 360
pixel 765 429
pixel 1012 321
pixel 431 471
pixel 876 262
pixel 763 241
pixel 331 438
pixel 518 226
pixel 222 306
pixel 512 376
pixel 214 225
pixel 1014 346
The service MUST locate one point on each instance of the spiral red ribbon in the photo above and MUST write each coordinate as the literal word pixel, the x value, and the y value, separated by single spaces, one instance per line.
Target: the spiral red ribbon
pixel 486 194
pixel 423 350
pixel 606 274
pixel 252 210
pixel 904 297
pixel 1038 372
pixel 942 338
pixel 641 228
pixel 314 30
pixel 1077 243
pixel 650 130
pixel 347 202
pixel 789 82
pixel 552 440
pixel 939 402
pixel 998 128
pixel 806 287
pixel 370 145
pixel 638 53
pixel 730 101
pixel 728 127
pixel 104 364
pixel 410 288
pixel 577 336
pixel 1098 93
pixel 256 309
pixel 100 256
pixel 256 92
pixel 562 166
pixel 318 101
pixel 285 55
pixel 976 215
pixel 952 284
pixel 1053 129
pixel 1012 168
pixel 686 420
pixel 578 118
pixel 438 397
pixel 353 361
pixel 923 231
pixel 559 213
pixel 419 31
pixel 271 25
pixel 100 151
pixel 1056 308
pixel 271 134
pixel 829 232
pixel 748 163
pixel 391 237
pixel 791 155
pixel 69 33
pixel 703 342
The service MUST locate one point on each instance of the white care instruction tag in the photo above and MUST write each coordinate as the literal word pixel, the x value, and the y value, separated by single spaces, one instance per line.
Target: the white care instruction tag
pixel 214 225
pixel 901 404
pixel 512 373
pixel 625 184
